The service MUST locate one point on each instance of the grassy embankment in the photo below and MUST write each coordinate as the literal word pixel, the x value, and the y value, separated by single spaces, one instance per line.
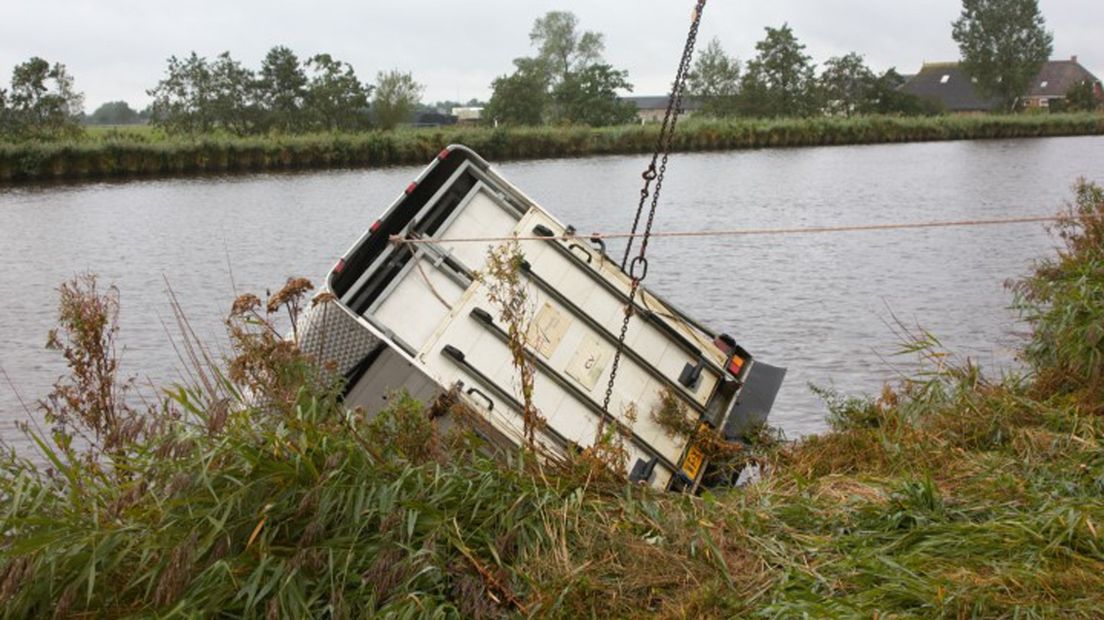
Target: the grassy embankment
pixel 953 494
pixel 128 152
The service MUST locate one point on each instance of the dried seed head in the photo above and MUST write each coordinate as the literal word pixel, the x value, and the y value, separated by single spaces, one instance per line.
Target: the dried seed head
pixel 61 610
pixel 245 303
pixel 179 482
pixel 13 576
pixel 217 415
pixel 174 577
pixel 312 533
pixel 323 298
pixel 292 292
pixel 310 499
pixel 335 459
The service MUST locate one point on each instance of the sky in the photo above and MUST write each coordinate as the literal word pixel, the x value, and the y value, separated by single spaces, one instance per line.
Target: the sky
pixel 117 49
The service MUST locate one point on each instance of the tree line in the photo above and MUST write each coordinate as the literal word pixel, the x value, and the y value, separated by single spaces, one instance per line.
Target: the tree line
pixel 565 82
pixel 568 82
pixel 283 95
pixel 1004 44
pixel 197 95
pixel 782 81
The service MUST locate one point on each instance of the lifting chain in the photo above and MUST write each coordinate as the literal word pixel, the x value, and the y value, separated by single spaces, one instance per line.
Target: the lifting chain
pixel 638 267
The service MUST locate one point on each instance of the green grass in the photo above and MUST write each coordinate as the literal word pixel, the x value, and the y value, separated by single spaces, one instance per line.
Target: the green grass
pixel 951 494
pixel 143 151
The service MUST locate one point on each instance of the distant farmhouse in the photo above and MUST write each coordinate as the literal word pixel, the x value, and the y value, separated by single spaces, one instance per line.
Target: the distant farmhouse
pixel 947 84
pixel 468 115
pixel 433 119
pixel 651 109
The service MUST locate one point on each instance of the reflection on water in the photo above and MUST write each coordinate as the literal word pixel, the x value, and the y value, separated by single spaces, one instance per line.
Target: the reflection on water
pixel 819 304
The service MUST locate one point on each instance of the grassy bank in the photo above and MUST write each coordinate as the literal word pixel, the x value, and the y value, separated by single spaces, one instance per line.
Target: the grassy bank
pixel 130 153
pixel 952 494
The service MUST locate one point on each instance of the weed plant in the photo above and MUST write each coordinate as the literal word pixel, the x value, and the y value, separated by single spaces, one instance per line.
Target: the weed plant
pixel 951 494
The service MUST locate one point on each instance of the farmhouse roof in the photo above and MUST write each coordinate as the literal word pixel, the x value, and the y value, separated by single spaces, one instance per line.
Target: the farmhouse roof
pixel 948 84
pixel 1058 76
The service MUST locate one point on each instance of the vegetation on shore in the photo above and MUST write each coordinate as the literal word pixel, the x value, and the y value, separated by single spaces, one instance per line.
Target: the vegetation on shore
pixel 951 494
pixel 148 153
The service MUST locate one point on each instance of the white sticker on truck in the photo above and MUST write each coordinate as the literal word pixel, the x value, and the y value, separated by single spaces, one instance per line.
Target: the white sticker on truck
pixel 547 330
pixel 589 362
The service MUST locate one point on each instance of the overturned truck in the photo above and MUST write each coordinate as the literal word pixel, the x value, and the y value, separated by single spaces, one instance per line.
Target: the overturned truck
pixel 416 317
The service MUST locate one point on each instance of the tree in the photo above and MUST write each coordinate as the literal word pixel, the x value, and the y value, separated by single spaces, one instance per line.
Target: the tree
pixel 282 90
pixel 42 102
pixel 714 80
pixel 231 96
pixel 114 113
pixel 844 84
pixel 1003 43
pixel 1082 97
pixel 780 79
pixel 520 98
pixel 396 95
pixel 566 75
pixel 336 99
pixel 561 49
pixel 6 128
pixel 884 96
pixel 197 96
pixel 181 100
pixel 589 97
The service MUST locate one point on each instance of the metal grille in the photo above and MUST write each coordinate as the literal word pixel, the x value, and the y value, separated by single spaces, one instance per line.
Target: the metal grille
pixel 331 333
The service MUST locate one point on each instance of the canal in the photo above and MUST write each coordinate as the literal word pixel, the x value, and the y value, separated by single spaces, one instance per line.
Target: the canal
pixel 822 305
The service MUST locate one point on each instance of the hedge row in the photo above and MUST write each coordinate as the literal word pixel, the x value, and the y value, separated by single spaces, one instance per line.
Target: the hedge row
pixel 135 155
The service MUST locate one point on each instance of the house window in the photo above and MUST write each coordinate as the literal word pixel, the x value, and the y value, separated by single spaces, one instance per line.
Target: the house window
pixel 945 79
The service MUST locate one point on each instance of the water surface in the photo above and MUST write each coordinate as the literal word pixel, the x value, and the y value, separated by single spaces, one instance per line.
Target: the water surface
pixel 819 304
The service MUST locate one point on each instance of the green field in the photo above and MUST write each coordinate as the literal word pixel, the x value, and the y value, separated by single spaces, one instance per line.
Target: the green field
pixel 147 152
pixel 253 493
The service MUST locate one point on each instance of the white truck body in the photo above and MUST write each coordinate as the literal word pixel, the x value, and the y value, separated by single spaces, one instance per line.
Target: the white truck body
pixel 414 317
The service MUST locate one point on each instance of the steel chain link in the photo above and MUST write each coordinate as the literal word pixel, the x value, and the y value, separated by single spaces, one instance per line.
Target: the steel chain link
pixel 663 148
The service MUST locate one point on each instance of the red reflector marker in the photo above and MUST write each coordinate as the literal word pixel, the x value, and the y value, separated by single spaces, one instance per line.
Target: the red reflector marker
pixel 735 365
pixel 376 225
pixel 443 154
pixel 340 266
pixel 410 188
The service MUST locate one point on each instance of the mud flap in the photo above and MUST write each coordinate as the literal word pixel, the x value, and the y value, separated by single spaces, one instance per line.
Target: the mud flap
pixel 756 399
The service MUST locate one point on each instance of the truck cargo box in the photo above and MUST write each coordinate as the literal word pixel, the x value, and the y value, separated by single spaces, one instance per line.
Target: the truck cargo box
pixel 415 317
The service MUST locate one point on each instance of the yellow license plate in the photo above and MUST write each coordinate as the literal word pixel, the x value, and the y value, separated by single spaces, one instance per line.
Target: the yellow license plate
pixel 691 465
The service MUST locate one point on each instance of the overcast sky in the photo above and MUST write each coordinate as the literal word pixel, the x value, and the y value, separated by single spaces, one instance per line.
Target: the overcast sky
pixel 116 49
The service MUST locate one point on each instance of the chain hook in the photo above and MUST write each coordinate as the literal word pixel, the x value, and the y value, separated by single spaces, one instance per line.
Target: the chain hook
pixel 642 262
